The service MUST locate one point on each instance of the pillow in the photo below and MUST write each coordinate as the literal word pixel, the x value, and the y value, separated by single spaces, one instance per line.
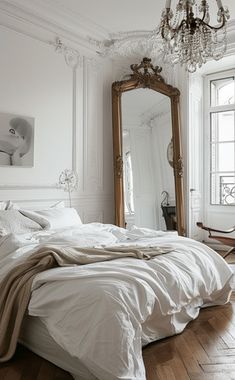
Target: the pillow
pixel 12 221
pixel 8 205
pixel 54 218
pixel 59 204
pixel 3 205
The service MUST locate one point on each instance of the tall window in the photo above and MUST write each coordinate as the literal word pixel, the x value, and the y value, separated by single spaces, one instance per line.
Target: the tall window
pixel 128 184
pixel 221 117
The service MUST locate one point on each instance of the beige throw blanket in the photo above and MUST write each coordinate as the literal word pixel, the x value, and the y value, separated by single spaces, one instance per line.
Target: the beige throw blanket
pixel 15 289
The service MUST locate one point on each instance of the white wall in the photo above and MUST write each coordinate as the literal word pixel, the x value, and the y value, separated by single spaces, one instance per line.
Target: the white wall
pixel 72 110
pixel 73 129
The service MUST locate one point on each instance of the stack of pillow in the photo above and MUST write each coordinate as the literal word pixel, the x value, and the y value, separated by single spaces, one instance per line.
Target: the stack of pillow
pixel 19 221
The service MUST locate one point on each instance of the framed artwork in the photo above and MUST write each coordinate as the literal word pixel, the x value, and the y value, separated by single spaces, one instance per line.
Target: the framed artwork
pixel 16 140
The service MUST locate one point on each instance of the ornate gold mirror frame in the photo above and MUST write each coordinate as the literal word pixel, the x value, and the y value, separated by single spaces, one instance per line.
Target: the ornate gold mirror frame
pixel 145 75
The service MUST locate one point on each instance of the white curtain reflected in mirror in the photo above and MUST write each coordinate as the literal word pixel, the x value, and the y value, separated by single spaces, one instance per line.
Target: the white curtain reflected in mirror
pixel 146 133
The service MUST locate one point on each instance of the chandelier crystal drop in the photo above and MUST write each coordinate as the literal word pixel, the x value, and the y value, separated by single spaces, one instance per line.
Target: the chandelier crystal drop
pixel 187 36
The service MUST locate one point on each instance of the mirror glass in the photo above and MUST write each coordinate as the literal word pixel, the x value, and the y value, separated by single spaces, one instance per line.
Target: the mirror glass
pixel 148 172
pixel 147 154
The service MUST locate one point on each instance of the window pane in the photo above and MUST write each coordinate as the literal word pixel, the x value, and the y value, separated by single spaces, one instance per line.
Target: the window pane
pixel 227 190
pixel 222 189
pixel 222 157
pixel 222 126
pixel 225 157
pixel 222 91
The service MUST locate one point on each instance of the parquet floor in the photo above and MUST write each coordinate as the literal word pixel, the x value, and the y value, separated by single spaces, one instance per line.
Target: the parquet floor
pixel 204 351
pixel 27 366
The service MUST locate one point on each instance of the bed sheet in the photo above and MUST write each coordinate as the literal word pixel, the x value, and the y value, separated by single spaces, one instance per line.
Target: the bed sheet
pixel 103 313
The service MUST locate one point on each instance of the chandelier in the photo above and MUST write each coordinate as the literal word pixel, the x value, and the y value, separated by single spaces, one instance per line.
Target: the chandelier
pixel 188 38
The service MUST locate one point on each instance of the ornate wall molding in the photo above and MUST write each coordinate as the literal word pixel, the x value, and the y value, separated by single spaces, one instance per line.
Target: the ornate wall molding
pixel 28 187
pixel 118 168
pixel 127 44
pixel 42 20
pixel 179 167
pixel 92 127
pixel 73 59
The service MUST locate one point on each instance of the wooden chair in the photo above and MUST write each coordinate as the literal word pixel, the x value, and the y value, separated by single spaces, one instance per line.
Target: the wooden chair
pixel 222 239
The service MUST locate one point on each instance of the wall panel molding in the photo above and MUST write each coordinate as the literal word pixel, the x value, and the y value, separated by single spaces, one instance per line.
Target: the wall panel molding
pixel 92 127
pixel 90 208
pixel 88 123
pixel 73 64
pixel 43 21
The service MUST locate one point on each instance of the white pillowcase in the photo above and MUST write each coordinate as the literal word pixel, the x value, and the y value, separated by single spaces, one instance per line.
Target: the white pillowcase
pixel 3 205
pixel 12 221
pixel 54 218
pixel 58 204
pixel 8 205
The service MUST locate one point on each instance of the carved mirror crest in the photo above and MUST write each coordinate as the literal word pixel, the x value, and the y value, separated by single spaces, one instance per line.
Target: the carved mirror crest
pixel 147 151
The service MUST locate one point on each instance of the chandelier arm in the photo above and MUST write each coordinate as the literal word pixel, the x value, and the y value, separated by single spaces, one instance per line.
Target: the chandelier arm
pixel 204 15
pixel 213 27
pixel 174 30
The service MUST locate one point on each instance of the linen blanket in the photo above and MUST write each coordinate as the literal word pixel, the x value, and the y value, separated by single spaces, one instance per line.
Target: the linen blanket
pixel 15 289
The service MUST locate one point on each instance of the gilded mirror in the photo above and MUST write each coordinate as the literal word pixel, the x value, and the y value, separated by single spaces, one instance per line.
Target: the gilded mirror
pixel 147 151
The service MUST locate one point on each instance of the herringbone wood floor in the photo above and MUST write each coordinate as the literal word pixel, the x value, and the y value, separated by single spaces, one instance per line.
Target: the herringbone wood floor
pixel 204 351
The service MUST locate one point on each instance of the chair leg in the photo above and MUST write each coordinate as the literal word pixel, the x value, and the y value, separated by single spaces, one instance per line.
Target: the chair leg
pixel 228 253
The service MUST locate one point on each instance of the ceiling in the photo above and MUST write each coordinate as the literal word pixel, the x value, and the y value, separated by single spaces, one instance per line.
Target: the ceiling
pixel 136 104
pixel 125 15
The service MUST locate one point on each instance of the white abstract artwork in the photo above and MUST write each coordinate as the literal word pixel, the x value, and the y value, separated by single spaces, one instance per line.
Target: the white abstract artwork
pixel 16 140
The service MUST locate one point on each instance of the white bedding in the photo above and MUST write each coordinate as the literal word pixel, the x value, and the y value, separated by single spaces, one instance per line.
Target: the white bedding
pixel 34 335
pixel 103 313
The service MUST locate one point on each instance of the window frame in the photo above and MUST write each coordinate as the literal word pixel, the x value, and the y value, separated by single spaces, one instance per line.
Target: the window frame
pixel 208 112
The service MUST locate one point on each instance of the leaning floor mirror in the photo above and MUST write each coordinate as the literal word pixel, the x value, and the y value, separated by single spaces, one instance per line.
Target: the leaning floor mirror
pixel 147 151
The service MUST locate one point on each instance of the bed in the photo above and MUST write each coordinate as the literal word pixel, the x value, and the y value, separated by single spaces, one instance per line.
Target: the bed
pixel 93 320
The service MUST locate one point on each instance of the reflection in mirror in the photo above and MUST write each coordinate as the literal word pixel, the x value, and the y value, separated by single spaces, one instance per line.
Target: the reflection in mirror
pixel 148 171
pixel 148 176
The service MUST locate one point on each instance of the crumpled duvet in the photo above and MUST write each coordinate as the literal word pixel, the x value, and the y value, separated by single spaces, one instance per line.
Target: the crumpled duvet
pixel 103 313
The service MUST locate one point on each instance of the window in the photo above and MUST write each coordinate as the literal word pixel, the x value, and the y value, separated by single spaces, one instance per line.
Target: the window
pixel 221 119
pixel 128 184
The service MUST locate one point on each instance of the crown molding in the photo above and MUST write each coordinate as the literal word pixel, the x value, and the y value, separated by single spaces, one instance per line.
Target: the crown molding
pixel 130 43
pixel 43 21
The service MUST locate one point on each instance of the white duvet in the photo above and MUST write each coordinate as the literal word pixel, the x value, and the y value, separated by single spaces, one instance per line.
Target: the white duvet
pixel 104 313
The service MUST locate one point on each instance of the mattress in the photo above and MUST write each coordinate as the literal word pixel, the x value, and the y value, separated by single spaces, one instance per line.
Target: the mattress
pixel 35 336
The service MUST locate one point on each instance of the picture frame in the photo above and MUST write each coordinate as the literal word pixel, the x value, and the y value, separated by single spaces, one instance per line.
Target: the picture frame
pixel 16 140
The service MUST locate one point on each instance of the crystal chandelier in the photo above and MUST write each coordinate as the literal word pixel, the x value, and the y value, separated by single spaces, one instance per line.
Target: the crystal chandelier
pixel 187 36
